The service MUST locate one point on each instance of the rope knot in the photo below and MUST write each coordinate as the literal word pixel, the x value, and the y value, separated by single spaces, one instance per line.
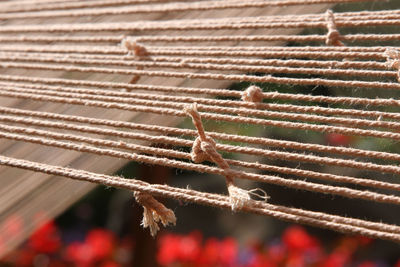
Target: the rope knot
pixel 204 147
pixel 253 94
pixel 393 60
pixel 154 212
pixel 333 36
pixel 131 44
pixel 198 154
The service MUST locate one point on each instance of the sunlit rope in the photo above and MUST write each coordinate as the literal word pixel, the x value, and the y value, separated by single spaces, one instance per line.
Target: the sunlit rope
pixel 353 67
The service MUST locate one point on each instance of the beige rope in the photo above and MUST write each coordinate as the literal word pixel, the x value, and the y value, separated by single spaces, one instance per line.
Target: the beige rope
pixel 341 224
pixel 377 53
pixel 170 102
pixel 191 6
pixel 134 56
pixel 326 189
pixel 154 212
pixel 184 25
pixel 174 131
pixel 333 36
pixel 208 76
pixel 168 152
pixel 214 102
pixel 214 92
pixel 204 148
pixel 393 60
pixel 152 107
pixel 222 38
pixel 184 64
pixel 34 6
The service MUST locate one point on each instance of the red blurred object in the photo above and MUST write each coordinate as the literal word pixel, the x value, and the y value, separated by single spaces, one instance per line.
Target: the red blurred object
pixel 190 247
pixel 335 259
pixel 101 242
pixel 296 259
pixel 168 251
pixel 335 139
pixel 25 258
pixel 46 239
pixel 98 246
pixel 110 264
pixel 260 260
pixel 297 239
pixel 12 226
pixel 228 251
pixel 80 254
pixel 211 253
pixel 276 253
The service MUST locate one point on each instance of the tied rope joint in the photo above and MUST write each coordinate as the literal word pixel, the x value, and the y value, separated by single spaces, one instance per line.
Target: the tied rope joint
pixel 393 60
pixel 204 148
pixel 154 212
pixel 253 94
pixel 333 37
pixel 133 47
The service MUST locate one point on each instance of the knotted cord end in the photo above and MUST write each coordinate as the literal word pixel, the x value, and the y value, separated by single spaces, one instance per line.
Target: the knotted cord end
pixel 204 147
pixel 238 197
pixel 131 44
pixel 393 60
pixel 154 212
pixel 333 35
pixel 253 94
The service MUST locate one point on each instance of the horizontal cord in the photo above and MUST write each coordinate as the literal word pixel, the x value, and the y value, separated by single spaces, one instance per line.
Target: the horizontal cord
pixel 326 189
pixel 173 131
pixel 183 64
pixel 175 102
pixel 186 25
pixel 50 5
pixel 215 102
pixel 208 76
pixel 212 116
pixel 169 7
pixel 110 50
pixel 168 152
pixel 207 91
pixel 338 223
pixel 201 38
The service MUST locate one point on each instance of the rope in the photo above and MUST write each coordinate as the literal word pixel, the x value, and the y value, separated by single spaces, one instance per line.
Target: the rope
pixel 185 25
pixel 222 38
pixel 173 7
pixel 341 224
pixel 170 102
pixel 47 89
pixel 169 152
pixel 298 184
pixel 112 52
pixel 184 64
pixel 207 76
pixel 208 91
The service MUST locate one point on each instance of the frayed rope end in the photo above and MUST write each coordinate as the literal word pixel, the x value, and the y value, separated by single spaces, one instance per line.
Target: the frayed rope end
pixel 253 94
pixel 131 44
pixel 154 212
pixel 240 198
pixel 393 60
